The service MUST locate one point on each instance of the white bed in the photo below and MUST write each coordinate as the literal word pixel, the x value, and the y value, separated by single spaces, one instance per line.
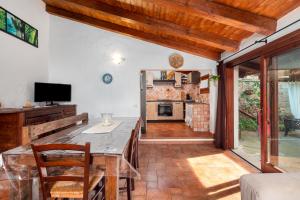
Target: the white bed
pixel 280 186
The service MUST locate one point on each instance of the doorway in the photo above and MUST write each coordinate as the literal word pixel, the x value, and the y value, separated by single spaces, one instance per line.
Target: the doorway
pixel 247 111
pixel 175 104
pixel 267 111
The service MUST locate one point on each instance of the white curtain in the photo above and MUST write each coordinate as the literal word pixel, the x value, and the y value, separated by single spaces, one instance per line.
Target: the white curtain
pixel 294 98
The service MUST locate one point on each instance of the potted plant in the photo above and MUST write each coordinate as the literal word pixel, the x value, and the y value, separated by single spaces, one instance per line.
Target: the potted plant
pixel 214 78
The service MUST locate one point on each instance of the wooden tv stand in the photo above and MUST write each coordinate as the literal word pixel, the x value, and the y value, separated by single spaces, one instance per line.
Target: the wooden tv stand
pixel 12 120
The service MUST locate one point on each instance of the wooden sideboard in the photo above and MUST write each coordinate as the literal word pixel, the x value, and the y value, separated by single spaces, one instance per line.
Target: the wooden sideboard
pixel 12 120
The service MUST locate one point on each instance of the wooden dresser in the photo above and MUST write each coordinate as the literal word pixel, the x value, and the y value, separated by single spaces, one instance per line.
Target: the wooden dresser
pixel 12 120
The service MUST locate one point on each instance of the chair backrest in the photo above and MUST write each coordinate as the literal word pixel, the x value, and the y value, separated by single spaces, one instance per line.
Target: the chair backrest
pixel 133 143
pixel 39 152
pixel 32 132
pixel 138 127
pixel 132 147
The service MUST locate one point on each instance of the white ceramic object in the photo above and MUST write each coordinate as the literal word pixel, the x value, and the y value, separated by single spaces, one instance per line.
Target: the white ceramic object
pixel 107 119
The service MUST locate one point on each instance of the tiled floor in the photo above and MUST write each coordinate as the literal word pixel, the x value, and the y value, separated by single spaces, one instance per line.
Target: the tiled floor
pixel 188 172
pixel 172 130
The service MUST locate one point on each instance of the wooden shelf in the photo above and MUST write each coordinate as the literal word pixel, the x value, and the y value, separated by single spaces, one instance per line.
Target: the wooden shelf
pixel 164 81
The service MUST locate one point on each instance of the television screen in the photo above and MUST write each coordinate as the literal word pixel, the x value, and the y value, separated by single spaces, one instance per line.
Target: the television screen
pixel 51 92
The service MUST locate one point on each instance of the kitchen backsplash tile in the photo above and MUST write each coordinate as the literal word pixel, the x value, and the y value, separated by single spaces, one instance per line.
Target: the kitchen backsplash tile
pixel 170 92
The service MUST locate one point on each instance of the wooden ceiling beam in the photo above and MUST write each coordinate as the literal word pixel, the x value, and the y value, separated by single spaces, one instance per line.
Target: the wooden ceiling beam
pixel 223 14
pixel 92 8
pixel 181 46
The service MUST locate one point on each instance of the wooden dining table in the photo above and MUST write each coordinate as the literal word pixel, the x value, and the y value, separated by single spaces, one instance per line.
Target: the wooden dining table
pixel 107 151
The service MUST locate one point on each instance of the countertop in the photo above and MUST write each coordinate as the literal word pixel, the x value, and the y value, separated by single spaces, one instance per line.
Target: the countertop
pixel 193 102
pixel 165 100
pixel 184 101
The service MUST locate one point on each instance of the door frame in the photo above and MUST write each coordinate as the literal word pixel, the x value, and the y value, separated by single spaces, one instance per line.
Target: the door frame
pixel 265 53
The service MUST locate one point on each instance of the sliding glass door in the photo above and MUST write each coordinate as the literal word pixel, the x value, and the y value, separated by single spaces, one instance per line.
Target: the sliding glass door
pixel 283 118
pixel 247 111
pixel 262 112
pixel 267 112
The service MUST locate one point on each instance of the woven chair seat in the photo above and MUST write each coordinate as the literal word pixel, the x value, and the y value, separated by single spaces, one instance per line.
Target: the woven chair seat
pixel 71 189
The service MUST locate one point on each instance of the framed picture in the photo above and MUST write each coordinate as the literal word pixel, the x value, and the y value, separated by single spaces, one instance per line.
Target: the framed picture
pixel 11 24
pixel 2 19
pixel 31 35
pixel 15 26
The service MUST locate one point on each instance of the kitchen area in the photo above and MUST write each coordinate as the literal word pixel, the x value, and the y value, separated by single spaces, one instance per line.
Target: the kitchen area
pixel 176 104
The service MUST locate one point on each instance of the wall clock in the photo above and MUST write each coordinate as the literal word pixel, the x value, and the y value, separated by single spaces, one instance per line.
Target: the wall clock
pixel 107 78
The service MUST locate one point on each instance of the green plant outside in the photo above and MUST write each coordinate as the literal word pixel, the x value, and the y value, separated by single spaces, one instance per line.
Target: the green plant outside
pixel 2 19
pixel 249 103
pixel 247 124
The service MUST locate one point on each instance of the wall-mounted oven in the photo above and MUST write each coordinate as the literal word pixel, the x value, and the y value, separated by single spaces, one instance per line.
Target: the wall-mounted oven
pixel 165 109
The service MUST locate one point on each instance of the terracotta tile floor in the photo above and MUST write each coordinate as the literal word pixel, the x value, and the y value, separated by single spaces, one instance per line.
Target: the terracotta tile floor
pixel 188 172
pixel 172 130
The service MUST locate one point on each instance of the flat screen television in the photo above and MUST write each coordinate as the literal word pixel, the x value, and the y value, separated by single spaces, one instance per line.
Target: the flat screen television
pixel 51 92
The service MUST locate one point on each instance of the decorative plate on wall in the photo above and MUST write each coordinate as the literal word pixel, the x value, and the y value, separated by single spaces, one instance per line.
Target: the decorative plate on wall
pixel 176 60
pixel 107 78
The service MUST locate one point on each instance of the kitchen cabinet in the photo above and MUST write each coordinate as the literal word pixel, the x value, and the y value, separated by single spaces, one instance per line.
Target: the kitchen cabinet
pixel 151 110
pixel 178 111
pixel 149 79
pixel 194 77
pixel 177 80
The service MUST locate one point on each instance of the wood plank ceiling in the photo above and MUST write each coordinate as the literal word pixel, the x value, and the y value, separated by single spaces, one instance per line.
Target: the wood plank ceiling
pixel 201 27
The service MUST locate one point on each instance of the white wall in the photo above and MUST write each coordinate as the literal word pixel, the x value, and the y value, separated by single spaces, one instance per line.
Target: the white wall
pixel 282 22
pixel 81 54
pixel 20 63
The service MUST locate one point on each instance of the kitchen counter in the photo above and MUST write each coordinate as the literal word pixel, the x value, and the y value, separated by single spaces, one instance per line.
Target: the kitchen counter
pixel 165 110
pixel 197 116
pixel 184 101
pixel 165 100
pixel 193 102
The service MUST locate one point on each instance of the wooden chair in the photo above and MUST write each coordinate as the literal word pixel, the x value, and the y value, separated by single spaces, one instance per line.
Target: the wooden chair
pixel 136 153
pixel 75 182
pixel 32 132
pixel 130 158
pixel 290 124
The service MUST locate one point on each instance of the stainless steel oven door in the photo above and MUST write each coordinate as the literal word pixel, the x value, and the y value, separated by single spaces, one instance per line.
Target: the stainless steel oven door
pixel 165 109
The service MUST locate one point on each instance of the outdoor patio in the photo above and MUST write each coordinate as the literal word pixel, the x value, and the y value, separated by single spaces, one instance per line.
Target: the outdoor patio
pixel 289 148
